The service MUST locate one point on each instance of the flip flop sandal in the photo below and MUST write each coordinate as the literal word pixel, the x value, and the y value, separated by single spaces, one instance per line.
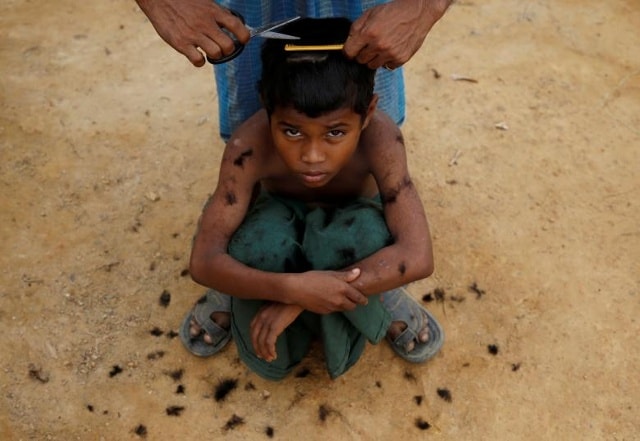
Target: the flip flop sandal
pixel 404 308
pixel 211 301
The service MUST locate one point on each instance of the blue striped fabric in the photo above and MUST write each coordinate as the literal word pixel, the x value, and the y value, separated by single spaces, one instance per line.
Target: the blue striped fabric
pixel 236 81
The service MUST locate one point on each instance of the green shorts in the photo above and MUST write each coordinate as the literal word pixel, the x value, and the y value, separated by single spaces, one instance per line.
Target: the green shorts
pixel 284 235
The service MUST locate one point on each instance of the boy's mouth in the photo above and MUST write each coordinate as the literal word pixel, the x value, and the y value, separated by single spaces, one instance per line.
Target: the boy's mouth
pixel 313 177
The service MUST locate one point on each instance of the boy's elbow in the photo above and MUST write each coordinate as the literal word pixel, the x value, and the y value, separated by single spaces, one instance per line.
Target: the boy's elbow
pixel 196 270
pixel 423 271
pixel 429 268
pixel 425 265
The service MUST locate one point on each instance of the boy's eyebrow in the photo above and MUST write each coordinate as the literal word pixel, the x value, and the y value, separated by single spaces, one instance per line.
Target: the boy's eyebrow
pixel 331 125
pixel 286 123
pixel 337 124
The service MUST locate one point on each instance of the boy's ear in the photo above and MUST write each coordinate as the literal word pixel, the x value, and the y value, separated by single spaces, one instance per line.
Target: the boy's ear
pixel 372 108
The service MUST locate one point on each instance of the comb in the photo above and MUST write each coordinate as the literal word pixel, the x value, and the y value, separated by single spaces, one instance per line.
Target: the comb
pixel 312 47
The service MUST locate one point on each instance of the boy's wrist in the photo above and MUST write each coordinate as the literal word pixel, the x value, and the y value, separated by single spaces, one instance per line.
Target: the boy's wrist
pixel 289 293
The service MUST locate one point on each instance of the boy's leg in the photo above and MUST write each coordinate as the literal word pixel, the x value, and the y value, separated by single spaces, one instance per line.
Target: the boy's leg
pixel 356 232
pixel 268 240
pixel 337 237
pixel 291 346
pixel 334 239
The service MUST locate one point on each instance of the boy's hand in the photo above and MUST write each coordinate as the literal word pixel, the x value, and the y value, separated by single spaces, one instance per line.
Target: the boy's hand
pixel 317 291
pixel 268 324
pixel 323 292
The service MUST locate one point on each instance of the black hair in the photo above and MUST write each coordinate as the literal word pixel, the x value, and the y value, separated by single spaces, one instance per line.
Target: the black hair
pixel 314 82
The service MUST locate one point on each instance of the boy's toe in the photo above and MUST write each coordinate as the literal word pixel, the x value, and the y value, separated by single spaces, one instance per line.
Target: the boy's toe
pixel 422 337
pixel 199 333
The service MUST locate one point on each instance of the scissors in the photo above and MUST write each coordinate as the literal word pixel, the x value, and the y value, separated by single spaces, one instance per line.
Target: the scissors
pixel 265 31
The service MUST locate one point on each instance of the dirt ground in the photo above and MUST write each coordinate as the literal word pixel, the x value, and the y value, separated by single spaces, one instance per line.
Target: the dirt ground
pixel 524 138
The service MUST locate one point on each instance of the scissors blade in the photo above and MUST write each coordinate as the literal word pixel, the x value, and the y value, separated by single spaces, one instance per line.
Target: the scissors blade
pixel 271 26
pixel 277 36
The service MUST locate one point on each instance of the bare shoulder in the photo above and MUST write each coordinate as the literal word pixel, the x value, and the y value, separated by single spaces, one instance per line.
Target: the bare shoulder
pixel 382 141
pixel 250 144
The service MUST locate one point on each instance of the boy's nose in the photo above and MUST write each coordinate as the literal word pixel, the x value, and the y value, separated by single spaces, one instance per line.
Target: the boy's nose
pixel 312 153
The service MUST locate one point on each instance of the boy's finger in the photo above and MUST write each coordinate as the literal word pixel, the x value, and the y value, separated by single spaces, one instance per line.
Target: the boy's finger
pixel 256 330
pixel 357 297
pixel 272 351
pixel 351 275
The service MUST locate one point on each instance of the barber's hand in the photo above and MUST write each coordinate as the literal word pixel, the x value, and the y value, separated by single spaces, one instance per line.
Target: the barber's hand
pixel 389 34
pixel 189 25
pixel 267 325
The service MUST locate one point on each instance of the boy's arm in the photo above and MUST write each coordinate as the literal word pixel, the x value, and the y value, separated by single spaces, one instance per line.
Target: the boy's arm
pixel 241 169
pixel 410 256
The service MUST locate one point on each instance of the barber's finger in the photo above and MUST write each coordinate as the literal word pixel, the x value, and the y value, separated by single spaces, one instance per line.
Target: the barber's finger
pixel 356 41
pixel 194 56
pixel 367 56
pixel 353 46
pixel 234 25
pixel 216 44
pixel 375 62
pixel 222 36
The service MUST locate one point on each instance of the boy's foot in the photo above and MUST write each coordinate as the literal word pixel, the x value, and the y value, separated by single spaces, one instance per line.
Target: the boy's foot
pixel 414 334
pixel 205 329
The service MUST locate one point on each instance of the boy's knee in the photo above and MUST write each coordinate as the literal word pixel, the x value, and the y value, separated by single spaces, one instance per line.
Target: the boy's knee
pixel 334 240
pixel 267 250
pixel 267 239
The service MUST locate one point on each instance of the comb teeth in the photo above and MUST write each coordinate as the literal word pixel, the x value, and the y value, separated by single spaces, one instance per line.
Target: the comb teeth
pixel 312 47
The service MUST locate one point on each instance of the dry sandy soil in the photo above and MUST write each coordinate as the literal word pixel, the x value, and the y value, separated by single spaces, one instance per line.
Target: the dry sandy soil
pixel 524 139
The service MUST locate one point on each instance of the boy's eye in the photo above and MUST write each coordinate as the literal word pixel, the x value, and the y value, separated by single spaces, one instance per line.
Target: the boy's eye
pixel 290 131
pixel 335 133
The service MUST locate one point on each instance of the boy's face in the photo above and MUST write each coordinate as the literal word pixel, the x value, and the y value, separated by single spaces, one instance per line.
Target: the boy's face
pixel 316 149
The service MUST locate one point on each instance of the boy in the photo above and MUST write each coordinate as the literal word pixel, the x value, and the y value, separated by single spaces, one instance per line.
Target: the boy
pixel 312 218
